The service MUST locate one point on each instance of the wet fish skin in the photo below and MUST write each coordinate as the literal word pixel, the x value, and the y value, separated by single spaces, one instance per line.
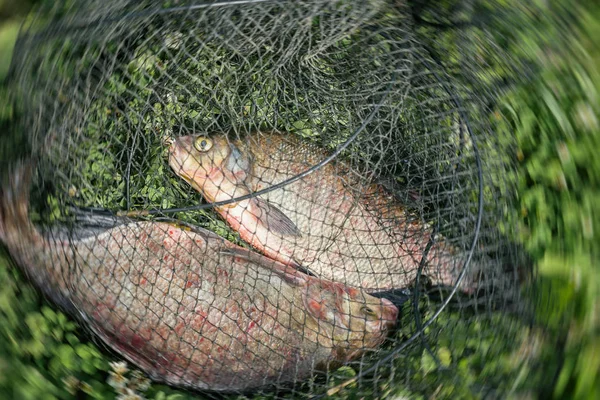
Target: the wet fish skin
pixel 190 308
pixel 327 222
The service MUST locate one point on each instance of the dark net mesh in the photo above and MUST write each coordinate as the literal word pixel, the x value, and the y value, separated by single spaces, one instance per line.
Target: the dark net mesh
pixel 245 196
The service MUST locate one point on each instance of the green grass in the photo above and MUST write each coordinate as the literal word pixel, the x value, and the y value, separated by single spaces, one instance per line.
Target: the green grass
pixel 555 118
pixel 8 35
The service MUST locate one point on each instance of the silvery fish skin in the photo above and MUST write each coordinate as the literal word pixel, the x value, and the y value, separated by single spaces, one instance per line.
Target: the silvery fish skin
pixel 327 222
pixel 190 308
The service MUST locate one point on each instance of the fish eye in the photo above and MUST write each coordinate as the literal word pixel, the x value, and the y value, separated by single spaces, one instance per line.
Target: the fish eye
pixel 203 144
pixel 368 310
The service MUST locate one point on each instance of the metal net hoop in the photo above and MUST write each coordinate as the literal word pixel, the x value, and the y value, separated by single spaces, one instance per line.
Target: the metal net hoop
pixel 112 81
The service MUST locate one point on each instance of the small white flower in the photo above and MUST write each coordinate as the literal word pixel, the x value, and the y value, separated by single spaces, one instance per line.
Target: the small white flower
pixel 143 385
pixel 129 395
pixel 117 381
pixel 119 367
pixel 138 381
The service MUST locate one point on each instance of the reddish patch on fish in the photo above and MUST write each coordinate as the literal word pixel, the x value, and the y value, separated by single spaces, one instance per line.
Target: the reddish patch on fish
pixel 137 341
pixel 315 307
pixel 179 328
pixel 166 360
pixel 198 320
pixel 222 273
pixel 209 326
pixel 192 280
pixel 153 247
pixel 334 287
pixel 99 309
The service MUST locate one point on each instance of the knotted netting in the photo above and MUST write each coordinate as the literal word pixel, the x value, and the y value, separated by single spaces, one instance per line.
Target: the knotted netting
pixel 246 196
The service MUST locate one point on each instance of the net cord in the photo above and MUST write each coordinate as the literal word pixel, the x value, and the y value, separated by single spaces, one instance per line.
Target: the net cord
pixel 390 357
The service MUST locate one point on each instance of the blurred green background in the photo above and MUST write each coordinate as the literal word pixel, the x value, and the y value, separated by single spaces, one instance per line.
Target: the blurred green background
pixel 555 116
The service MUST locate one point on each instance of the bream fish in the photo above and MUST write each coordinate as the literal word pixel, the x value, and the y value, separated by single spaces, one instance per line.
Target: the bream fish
pixel 327 222
pixel 188 307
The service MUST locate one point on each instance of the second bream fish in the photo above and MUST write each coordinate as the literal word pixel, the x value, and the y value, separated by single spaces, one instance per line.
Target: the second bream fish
pixel 324 222
pixel 188 307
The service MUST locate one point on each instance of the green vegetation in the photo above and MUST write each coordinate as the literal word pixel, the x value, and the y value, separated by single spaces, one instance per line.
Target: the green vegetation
pixel 554 114
pixel 555 119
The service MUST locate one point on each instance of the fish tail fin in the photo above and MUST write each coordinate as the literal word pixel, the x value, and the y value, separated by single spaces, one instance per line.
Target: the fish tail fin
pixel 475 278
pixel 494 279
pixel 501 276
pixel 14 203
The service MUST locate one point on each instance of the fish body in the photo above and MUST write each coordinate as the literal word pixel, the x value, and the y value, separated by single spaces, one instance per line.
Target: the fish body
pixel 328 221
pixel 189 307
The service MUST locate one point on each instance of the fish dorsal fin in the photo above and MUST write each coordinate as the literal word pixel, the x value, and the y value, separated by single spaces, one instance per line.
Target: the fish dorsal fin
pixel 84 223
pixel 288 274
pixel 274 219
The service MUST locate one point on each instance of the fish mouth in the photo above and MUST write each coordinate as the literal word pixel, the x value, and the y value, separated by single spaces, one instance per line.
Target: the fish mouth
pixel 175 160
pixel 389 314
pixel 180 145
pixel 167 141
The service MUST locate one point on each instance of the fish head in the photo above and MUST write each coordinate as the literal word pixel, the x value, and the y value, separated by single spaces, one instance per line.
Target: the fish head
pixel 348 318
pixel 212 165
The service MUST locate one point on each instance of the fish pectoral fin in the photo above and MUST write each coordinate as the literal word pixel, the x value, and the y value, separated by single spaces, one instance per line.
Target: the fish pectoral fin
pixel 287 273
pixel 274 219
pixel 397 296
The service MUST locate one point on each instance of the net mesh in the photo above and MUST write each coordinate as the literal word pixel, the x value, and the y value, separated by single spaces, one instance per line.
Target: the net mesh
pixel 243 196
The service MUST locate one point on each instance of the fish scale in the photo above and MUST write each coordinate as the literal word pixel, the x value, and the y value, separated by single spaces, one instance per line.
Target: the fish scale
pixel 330 223
pixel 244 320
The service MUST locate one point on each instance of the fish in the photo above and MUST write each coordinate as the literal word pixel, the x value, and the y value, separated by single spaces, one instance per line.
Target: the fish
pixel 188 307
pixel 329 221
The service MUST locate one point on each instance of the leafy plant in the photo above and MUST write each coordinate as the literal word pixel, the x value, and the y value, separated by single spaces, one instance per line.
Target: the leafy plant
pixel 553 114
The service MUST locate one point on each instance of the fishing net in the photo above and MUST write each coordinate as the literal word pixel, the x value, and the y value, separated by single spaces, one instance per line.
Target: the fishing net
pixel 336 113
